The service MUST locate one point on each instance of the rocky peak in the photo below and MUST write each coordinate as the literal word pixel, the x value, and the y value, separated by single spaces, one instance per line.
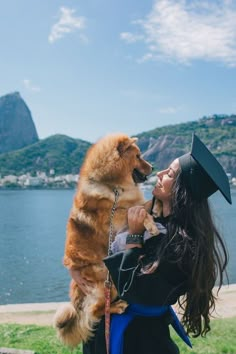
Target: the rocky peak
pixel 17 128
pixel 164 149
pixel 162 145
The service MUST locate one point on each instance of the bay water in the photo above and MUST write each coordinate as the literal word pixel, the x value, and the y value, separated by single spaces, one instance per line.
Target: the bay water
pixel 32 237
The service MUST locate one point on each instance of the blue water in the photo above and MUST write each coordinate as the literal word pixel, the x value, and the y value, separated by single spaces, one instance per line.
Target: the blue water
pixel 32 236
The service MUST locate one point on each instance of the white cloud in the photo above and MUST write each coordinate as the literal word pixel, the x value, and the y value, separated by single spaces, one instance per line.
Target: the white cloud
pixel 131 37
pixel 169 110
pixel 67 23
pixel 189 30
pixel 146 57
pixel 29 86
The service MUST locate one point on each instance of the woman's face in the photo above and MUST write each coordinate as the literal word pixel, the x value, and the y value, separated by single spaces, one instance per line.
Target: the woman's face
pixel 165 180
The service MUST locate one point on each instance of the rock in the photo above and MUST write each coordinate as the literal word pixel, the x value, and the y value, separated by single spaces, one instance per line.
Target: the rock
pixel 17 128
pixel 15 351
pixel 161 149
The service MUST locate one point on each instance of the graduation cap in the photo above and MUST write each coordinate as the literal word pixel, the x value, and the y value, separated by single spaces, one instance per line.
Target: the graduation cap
pixel 202 173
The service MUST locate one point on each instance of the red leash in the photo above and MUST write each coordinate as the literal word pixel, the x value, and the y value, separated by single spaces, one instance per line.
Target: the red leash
pixel 108 282
pixel 107 291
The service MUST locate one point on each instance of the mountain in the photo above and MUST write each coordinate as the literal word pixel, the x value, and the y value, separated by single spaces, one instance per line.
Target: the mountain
pixel 17 128
pixel 160 146
pixel 58 152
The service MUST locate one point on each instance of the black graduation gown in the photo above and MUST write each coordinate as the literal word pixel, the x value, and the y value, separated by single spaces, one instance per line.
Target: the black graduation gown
pixel 144 335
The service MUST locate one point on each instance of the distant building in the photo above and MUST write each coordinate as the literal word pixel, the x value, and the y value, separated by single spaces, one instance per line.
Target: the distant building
pixel 41 175
pixel 71 178
pixel 33 182
pixel 9 179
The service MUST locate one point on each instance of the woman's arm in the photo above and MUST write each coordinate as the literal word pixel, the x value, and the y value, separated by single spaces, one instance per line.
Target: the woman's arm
pixel 158 288
pixel 161 287
pixel 83 283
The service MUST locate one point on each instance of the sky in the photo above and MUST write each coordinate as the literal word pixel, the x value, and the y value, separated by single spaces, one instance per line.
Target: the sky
pixel 87 68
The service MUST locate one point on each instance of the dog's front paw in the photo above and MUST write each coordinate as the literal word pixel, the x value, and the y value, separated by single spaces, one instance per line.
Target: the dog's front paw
pixel 150 225
pixel 118 306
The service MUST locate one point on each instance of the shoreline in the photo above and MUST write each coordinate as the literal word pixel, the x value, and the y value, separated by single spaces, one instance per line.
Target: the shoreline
pixel 42 313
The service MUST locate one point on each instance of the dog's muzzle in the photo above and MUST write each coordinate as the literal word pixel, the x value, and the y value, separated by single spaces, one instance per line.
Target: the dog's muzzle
pixel 138 177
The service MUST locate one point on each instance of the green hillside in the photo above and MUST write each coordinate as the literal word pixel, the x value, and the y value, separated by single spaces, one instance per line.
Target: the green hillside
pixel 58 152
pixel 218 133
pixel 65 155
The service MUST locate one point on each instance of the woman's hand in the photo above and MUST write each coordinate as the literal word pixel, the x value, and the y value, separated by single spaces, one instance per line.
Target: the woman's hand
pixel 83 283
pixel 136 216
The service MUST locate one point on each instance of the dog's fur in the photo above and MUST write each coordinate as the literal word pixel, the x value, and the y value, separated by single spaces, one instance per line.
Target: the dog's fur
pixel 111 163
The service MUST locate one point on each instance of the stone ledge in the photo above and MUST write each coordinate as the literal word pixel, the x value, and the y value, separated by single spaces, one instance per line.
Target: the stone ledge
pixel 15 351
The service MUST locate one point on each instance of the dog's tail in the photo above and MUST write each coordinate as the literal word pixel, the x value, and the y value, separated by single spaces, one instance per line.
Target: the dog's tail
pixel 72 327
pixel 66 322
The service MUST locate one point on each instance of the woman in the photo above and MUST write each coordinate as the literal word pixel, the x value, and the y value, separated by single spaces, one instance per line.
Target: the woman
pixel 183 262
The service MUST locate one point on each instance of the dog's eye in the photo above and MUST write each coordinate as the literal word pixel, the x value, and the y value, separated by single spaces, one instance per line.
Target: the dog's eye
pixel 138 156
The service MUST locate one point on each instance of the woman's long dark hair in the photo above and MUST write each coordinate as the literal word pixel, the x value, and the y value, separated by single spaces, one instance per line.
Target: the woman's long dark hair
pixel 207 255
pixel 199 248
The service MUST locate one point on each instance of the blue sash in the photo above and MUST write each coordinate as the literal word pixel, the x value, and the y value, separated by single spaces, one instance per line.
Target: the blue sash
pixel 119 324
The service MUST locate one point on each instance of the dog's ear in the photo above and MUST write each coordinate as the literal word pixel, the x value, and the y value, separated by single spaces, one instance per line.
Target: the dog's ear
pixel 125 145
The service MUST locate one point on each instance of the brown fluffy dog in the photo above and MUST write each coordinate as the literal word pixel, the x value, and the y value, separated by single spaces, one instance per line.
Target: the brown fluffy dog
pixel 113 162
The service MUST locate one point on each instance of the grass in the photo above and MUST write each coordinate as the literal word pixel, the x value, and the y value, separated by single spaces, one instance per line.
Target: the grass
pixel 42 340
pixel 220 340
